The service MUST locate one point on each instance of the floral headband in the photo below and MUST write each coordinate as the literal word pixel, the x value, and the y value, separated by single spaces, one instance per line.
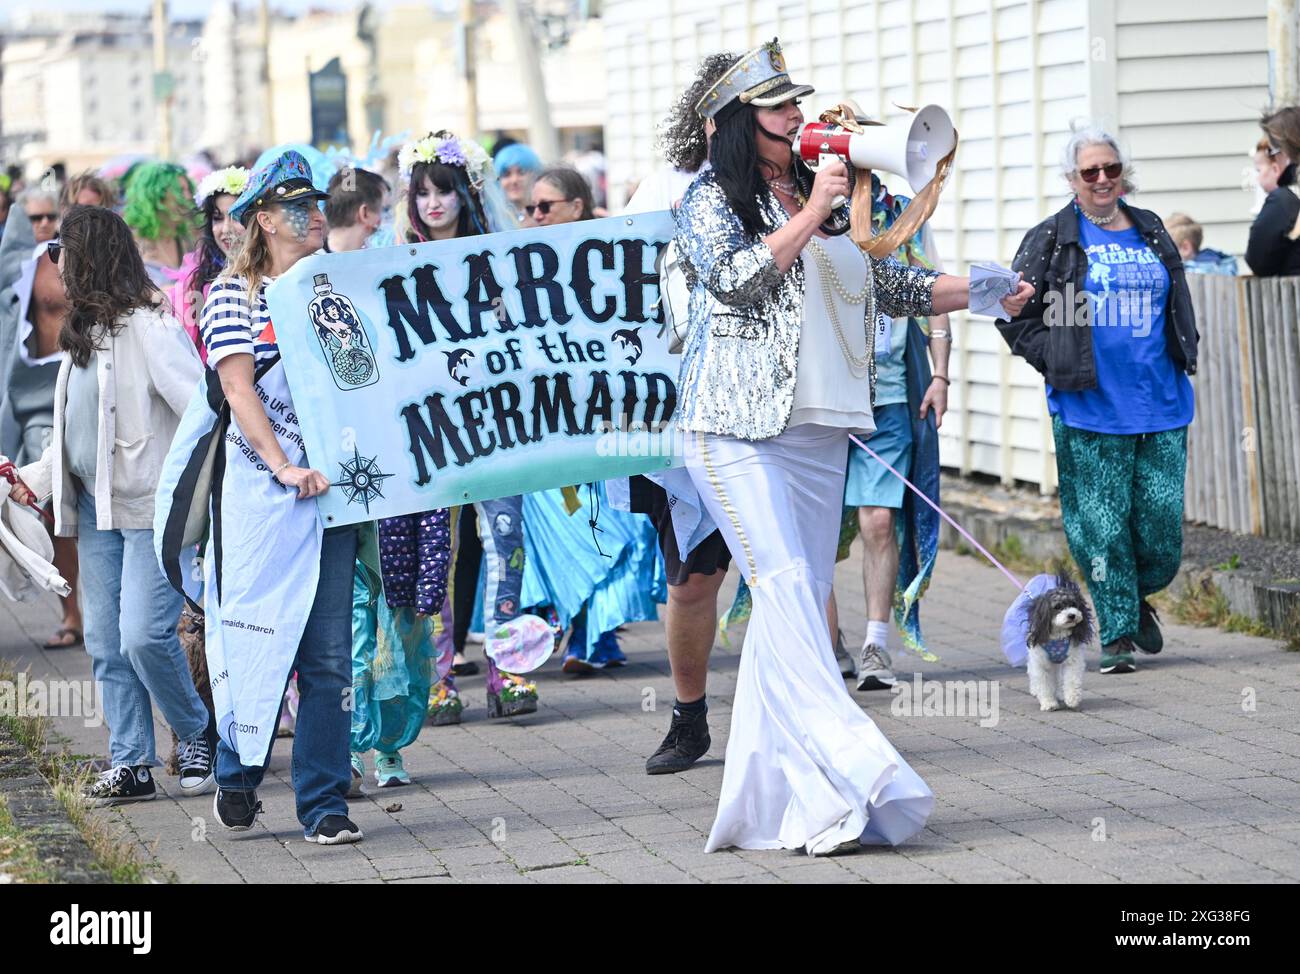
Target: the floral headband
pixel 232 180
pixel 450 151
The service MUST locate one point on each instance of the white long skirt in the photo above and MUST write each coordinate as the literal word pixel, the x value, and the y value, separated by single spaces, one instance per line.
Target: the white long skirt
pixel 805 767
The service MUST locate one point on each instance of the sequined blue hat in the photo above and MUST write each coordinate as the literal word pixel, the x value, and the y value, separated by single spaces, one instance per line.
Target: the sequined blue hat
pixel 285 179
pixel 758 78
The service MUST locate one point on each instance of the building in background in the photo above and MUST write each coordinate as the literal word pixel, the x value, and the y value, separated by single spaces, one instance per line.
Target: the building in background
pixel 1182 82
pixel 80 89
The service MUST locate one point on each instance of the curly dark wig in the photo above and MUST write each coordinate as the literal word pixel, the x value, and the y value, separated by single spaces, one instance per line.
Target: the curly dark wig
pixel 103 276
pixel 681 134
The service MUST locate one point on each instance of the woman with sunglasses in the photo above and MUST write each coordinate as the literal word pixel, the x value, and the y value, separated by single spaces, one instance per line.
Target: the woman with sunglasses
pixel 1112 329
pixel 35 309
pixel 561 194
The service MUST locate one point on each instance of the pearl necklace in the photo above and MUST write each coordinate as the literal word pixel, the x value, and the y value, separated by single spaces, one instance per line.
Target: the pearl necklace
pixel 787 188
pixel 1100 221
pixel 832 285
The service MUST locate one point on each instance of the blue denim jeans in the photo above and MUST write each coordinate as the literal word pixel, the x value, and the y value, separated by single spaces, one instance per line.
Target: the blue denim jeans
pixel 322 770
pixel 131 613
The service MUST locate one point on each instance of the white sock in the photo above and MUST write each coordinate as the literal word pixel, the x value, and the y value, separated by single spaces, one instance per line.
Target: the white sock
pixel 877 634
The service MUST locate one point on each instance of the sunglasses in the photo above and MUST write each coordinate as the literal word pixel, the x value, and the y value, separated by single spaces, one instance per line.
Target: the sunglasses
pixel 1090 174
pixel 54 250
pixel 42 217
pixel 544 207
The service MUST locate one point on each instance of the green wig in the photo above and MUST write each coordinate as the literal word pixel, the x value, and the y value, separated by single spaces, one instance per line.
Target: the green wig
pixel 159 202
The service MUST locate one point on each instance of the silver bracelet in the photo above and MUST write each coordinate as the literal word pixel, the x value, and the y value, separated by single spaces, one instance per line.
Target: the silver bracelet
pixel 940 333
pixel 275 474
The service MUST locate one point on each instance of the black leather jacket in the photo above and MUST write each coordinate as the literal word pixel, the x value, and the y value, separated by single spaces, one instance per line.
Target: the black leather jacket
pixel 1044 334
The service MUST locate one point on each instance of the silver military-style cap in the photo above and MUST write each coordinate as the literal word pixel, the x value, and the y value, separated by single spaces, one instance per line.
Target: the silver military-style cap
pixel 759 78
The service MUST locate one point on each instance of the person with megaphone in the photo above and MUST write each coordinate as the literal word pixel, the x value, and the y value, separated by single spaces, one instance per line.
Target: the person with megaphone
pixel 776 373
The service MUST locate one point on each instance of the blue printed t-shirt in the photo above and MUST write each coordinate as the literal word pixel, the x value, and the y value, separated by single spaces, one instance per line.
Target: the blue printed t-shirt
pixel 891 374
pixel 1140 388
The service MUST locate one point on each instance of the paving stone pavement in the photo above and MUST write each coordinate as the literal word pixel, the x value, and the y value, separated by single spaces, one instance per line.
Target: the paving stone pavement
pixel 1186 771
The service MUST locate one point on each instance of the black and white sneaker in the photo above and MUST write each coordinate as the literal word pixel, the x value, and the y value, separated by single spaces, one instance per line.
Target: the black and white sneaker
pixel 198 763
pixel 236 810
pixel 687 741
pixel 335 830
pixel 120 785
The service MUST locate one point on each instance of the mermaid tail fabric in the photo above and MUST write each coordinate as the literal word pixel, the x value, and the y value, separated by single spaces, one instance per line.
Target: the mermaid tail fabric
pixel 620 581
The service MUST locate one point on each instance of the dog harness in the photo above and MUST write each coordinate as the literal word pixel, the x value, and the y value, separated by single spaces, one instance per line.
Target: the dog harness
pixel 1057 650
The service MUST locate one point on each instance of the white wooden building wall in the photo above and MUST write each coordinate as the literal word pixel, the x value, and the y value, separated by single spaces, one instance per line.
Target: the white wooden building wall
pixel 1191 79
pixel 1013 73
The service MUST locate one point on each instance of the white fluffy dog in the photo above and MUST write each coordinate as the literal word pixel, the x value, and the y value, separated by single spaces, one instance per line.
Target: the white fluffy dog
pixel 1060 628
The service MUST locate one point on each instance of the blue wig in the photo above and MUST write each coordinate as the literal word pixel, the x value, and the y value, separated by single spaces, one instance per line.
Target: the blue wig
pixel 517 154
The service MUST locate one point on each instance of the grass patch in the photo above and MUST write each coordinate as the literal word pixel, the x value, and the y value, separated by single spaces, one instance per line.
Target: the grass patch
pixel 1202 603
pixel 19 861
pixel 67 776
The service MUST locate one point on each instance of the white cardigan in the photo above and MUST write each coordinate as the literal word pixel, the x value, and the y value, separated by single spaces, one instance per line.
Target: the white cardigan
pixel 147 373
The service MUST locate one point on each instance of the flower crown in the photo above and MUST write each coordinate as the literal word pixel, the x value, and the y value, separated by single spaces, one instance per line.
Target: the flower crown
pixel 232 180
pixel 450 151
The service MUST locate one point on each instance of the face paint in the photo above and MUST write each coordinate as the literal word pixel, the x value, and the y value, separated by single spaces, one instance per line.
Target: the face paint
pixel 297 217
pixel 439 210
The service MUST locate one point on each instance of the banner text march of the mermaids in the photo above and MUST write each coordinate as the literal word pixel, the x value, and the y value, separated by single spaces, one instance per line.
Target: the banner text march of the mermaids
pixel 433 374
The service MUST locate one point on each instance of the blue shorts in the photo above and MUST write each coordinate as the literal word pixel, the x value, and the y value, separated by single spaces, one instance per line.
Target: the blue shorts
pixel 869 484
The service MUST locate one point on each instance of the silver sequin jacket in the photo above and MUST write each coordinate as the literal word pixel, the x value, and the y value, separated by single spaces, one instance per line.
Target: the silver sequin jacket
pixel 742 349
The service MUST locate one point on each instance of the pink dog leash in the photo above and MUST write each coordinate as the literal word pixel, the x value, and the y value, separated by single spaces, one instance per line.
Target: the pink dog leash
pixel 943 514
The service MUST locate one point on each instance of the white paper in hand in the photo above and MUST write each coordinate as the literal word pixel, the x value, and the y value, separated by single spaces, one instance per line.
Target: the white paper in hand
pixel 989 284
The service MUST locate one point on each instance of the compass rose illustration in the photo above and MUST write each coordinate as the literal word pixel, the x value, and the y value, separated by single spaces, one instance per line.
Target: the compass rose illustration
pixel 362 480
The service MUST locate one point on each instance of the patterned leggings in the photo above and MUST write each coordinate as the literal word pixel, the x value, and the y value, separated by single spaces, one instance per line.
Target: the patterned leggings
pixel 1122 504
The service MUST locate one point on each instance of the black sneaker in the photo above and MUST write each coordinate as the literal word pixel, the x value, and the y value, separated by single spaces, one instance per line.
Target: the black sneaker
pixel 1148 638
pixel 687 742
pixel 1117 657
pixel 198 763
pixel 120 785
pixel 335 830
pixel 236 810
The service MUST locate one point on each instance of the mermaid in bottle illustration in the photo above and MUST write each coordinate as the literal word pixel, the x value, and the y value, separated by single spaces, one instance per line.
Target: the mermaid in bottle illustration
pixel 342 337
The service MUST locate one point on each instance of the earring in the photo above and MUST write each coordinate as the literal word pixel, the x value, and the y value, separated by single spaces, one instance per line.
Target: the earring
pixel 272 229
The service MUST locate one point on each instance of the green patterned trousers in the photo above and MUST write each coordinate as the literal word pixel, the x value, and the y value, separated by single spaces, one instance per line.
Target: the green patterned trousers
pixel 1122 504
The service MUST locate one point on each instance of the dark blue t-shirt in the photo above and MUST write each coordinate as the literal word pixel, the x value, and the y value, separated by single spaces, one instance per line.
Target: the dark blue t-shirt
pixel 1140 389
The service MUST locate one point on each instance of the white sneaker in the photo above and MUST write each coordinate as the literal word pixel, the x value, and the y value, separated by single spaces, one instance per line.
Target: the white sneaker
pixel 875 669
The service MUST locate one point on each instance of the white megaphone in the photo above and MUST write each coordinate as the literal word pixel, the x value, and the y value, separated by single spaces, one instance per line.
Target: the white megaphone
pixel 912 146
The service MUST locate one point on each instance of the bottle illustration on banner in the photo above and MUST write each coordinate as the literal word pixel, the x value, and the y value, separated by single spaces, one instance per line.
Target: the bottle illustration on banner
pixel 342 337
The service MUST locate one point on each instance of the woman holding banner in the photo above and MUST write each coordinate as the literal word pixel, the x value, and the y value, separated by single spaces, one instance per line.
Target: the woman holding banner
pixel 278 586
pixel 776 373
pixel 452 192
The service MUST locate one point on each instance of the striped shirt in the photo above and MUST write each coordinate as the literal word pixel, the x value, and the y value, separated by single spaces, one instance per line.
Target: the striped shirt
pixel 233 325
